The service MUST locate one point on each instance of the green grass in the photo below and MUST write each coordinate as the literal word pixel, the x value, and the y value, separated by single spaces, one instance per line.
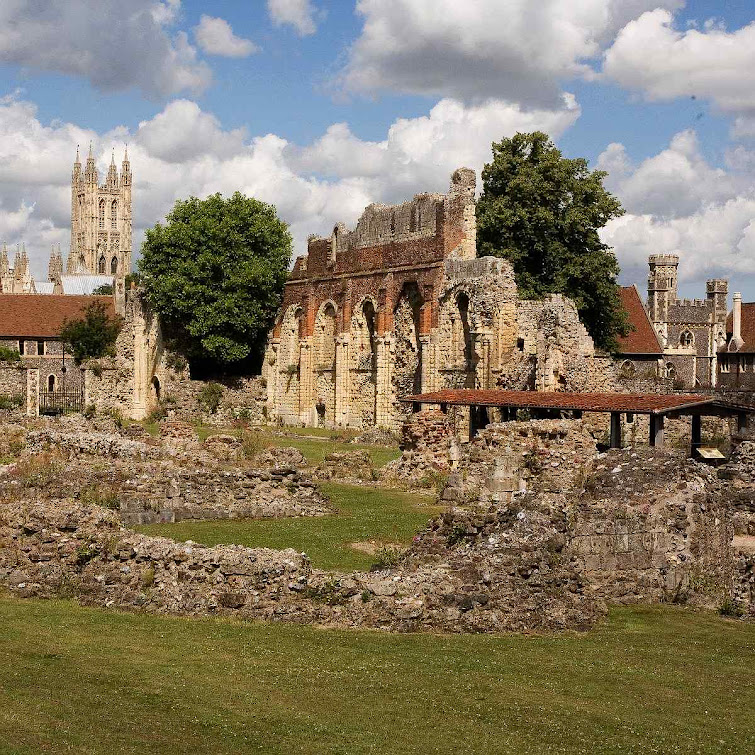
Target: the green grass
pixel 650 680
pixel 363 514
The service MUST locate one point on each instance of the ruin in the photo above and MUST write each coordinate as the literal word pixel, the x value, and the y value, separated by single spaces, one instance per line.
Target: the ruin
pixel 403 305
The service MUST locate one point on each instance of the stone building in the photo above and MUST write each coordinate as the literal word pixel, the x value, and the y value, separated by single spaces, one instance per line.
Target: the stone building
pixel 16 279
pixel 640 352
pixel 402 305
pixel 736 358
pixel 691 331
pixel 100 219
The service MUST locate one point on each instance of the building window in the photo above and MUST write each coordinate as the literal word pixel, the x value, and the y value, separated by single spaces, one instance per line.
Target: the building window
pixel 22 348
pixel 102 213
pixel 101 266
pixel 41 348
pixel 51 383
pixel 686 340
pixel 723 364
pixel 114 215
pixel 628 369
pixel 114 266
pixel 670 371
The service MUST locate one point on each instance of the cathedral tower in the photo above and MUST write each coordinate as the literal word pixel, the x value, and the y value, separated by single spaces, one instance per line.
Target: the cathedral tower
pixel 100 219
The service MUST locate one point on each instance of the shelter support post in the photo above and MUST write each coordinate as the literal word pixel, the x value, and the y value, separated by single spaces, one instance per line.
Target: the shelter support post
pixel 697 434
pixel 615 430
pixel 657 423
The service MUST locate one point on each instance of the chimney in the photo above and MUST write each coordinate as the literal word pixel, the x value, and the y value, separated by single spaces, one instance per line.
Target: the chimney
pixel 736 342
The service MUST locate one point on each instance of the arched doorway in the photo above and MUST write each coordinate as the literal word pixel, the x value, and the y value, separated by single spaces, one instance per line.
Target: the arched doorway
pixel 407 372
pixel 156 386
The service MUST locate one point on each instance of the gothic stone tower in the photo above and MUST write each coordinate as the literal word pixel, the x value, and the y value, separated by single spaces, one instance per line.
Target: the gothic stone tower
pixel 100 219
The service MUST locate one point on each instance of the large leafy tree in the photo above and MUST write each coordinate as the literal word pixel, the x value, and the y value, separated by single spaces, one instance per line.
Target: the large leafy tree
pixel 542 212
pixel 215 273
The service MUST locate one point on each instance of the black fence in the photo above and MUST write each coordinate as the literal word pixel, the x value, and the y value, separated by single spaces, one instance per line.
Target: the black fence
pixel 60 402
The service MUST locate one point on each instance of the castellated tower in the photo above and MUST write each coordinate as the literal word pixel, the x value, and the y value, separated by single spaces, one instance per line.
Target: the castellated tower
pixel 662 281
pixel 100 219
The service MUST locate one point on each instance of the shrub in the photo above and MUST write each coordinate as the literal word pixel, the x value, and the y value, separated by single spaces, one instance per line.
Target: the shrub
pixel 175 361
pixel 433 480
pixel 252 444
pixel 90 411
pixel 9 355
pixel 457 534
pixel 386 558
pixel 92 336
pixel 116 416
pixel 730 607
pixel 291 369
pixel 209 397
pixel 157 414
pixel 105 290
pixel 11 402
pixel 96 369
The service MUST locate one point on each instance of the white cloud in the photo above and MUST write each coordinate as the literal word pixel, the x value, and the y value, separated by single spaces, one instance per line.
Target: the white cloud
pixel 115 45
pixel 184 151
pixel 518 50
pixel 677 203
pixel 297 13
pixel 651 56
pixel 215 37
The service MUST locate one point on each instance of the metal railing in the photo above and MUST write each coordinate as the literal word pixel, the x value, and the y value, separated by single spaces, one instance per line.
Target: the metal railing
pixel 60 402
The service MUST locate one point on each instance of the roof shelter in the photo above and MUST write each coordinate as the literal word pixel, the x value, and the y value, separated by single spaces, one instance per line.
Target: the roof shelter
pixel 657 406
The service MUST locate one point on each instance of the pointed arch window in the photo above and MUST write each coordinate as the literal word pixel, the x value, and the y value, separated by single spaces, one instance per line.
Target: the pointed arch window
pixel 114 214
pixel 114 266
pixel 51 383
pixel 101 266
pixel 686 340
pixel 102 213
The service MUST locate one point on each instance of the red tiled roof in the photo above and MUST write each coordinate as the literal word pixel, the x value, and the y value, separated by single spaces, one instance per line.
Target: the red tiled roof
pixel 643 338
pixel 748 327
pixel 42 315
pixel 641 403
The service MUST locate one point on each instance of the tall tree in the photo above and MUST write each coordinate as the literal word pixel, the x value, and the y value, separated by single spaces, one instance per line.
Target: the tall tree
pixel 542 212
pixel 215 273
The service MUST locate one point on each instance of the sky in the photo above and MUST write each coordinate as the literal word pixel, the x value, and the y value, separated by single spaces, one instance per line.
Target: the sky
pixel 322 107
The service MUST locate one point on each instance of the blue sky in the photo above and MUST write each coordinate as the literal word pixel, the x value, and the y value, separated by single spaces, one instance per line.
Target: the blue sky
pixel 322 107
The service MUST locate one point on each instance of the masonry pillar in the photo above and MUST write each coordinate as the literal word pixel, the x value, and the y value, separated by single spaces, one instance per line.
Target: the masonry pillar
pixel 306 383
pixel 343 388
pixel 697 438
pixel 139 405
pixel 615 430
pixel 32 392
pixel 383 382
pixel 657 422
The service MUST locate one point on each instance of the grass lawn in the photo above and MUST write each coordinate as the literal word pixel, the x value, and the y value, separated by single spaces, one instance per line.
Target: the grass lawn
pixel 363 514
pixel 650 680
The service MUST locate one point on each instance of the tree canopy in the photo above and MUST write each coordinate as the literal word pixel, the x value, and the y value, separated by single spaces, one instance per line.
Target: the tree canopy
pixel 215 273
pixel 542 212
pixel 92 336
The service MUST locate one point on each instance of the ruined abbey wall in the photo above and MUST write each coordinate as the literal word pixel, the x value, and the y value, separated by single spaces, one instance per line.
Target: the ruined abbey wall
pixel 398 306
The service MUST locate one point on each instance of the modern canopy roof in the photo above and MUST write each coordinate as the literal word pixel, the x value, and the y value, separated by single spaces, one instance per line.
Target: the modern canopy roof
pixel 631 403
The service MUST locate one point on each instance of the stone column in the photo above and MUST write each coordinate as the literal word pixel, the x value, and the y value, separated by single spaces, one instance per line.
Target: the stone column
pixel 306 383
pixel 32 392
pixel 342 388
pixel 426 361
pixel 383 382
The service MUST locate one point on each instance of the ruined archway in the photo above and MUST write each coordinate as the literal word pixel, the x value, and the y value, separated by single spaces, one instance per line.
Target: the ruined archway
pixel 324 361
pixel 363 363
pixel 407 368
pixel 288 365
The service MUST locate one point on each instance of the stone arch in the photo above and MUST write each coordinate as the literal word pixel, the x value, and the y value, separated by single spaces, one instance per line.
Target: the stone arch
pixel 324 361
pixel 51 381
pixel 101 265
pixel 114 266
pixel 670 371
pixel 627 369
pixel 406 376
pixel 363 362
pixel 686 339
pixel 288 363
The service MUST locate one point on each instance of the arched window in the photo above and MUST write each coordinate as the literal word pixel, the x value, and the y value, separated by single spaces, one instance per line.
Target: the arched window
pixel 101 266
pixel 670 371
pixel 686 339
pixel 334 246
pixel 156 386
pixel 102 213
pixel 114 266
pixel 114 214
pixel 51 383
